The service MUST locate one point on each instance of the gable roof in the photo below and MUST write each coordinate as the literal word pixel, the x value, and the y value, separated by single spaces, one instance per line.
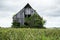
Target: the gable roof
pixel 28 5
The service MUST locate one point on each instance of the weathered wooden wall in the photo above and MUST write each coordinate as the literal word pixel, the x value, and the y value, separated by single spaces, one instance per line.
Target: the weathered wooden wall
pixel 19 17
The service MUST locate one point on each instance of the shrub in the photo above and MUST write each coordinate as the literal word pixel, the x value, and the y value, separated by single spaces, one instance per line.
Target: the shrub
pixel 15 24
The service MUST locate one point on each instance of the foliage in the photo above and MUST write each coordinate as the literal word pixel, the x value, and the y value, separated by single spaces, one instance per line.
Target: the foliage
pixel 34 21
pixel 0 27
pixel 15 24
pixel 29 34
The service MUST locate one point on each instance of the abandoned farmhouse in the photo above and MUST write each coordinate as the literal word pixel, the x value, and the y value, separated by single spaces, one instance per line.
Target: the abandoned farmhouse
pixel 27 12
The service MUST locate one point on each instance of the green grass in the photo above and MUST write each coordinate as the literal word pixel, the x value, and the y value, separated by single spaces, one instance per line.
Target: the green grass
pixel 29 34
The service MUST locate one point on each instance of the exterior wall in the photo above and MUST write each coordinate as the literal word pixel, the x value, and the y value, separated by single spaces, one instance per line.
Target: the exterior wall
pixel 21 20
pixel 29 11
pixel 32 11
pixel 19 17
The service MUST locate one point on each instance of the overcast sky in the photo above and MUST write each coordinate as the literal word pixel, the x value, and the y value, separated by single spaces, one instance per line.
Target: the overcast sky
pixel 48 9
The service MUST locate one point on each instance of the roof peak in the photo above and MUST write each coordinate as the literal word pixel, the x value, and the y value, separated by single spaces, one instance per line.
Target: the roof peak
pixel 27 5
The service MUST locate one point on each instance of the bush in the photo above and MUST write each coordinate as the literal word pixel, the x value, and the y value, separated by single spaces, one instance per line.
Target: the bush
pixel 15 24
pixel 0 27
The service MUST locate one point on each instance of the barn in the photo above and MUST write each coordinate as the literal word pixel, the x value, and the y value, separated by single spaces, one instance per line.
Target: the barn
pixel 27 11
pixel 28 17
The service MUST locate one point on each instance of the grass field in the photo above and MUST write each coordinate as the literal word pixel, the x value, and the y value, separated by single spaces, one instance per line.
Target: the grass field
pixel 29 34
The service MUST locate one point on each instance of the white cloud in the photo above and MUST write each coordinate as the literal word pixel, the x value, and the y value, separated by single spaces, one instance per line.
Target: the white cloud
pixel 52 21
pixel 48 9
pixel 5 22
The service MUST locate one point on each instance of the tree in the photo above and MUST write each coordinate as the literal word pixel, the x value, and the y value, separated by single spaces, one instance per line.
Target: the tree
pixel 34 21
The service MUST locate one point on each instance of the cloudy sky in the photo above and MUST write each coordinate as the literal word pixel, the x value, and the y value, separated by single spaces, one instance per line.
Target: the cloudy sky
pixel 48 9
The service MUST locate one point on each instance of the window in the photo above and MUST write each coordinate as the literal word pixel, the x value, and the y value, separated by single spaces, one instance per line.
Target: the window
pixel 27 15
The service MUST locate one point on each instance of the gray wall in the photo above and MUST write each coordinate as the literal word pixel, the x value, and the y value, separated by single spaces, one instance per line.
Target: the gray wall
pixel 29 11
pixel 19 17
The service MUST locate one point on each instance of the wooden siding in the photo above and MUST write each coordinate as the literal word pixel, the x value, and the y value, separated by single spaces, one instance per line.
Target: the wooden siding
pixel 19 17
pixel 29 11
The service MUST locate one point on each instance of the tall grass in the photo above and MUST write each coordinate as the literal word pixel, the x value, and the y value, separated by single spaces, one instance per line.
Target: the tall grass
pixel 29 34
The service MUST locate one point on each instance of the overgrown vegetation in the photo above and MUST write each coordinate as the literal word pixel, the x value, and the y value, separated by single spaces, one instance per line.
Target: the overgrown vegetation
pixel 0 27
pixel 34 21
pixel 29 34
pixel 15 24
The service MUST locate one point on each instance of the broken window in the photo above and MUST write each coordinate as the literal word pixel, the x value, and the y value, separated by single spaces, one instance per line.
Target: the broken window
pixel 27 15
